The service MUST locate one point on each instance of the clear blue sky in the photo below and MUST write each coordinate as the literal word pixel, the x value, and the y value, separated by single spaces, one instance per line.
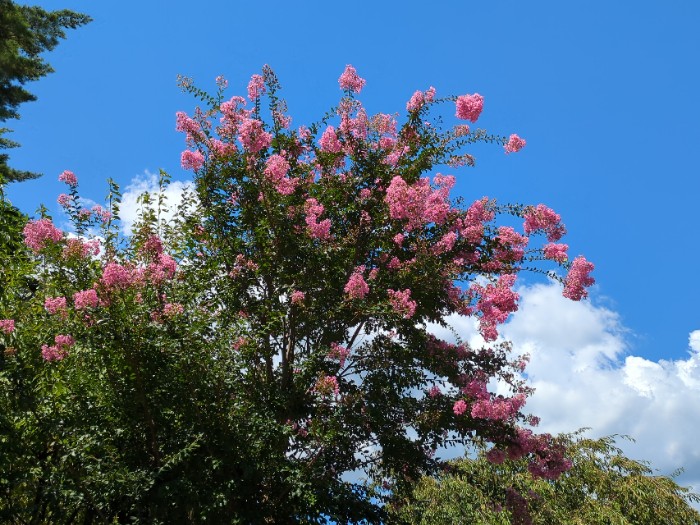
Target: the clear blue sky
pixel 606 94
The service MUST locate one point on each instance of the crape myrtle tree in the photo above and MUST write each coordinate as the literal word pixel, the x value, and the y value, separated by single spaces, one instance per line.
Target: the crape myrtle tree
pixel 263 355
pixel 602 487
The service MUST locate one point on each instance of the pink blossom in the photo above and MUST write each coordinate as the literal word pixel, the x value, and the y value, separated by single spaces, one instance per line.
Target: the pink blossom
pixel 58 351
pixel 398 239
pixel 172 310
pixel 329 141
pixel 162 269
pixel 276 170
pixel 514 144
pixel 578 279
pixel 152 247
pixel 461 131
pixel 253 136
pixel 81 249
pixel 496 456
pixel 69 178
pixel 86 299
pixel 460 407
pixel 416 102
pixel 350 81
pixel 64 200
pixel 472 224
pixel 191 160
pixel 500 409
pixel 319 230
pixel 256 87
pixel 495 304
pixel 327 385
pixel 64 340
pixel 469 107
pixel 304 133
pixel 542 218
pixel 402 303
pixel 221 149
pixel 418 203
pixel 53 353
pixel 56 305
pixel 7 325
pixel 356 287
pixel 512 245
pixel 38 233
pixel 445 244
pixel 556 252
pixel 298 297
pixel 100 212
pixel 435 391
pixel 116 277
pixel 340 353
pixel 191 127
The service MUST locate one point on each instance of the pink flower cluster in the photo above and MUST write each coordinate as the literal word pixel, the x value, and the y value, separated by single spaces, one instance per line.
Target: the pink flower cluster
pixel 318 230
pixel 191 160
pixel 340 353
pixel 350 80
pixel 117 277
pixel 357 287
pixel 276 169
pixel 542 218
pixel 189 126
pixel 173 310
pixel 419 99
pixel 253 136
pixel 548 458
pixel 69 178
pixel 445 244
pixel 496 303
pixel 402 303
pixel 418 203
pixel 578 279
pixel 514 144
pixel 56 306
pixel 297 297
pixel 469 107
pixel 76 248
pixel 7 325
pixel 38 233
pixel 59 350
pixel 556 252
pixel 460 407
pixel 512 245
pixel 471 226
pixel 86 299
pixel 65 201
pixel 329 141
pixel 256 87
pixel 99 211
pixel 327 385
pixel 499 409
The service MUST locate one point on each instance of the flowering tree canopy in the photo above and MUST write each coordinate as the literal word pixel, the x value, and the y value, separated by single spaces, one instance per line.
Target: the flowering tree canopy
pixel 266 354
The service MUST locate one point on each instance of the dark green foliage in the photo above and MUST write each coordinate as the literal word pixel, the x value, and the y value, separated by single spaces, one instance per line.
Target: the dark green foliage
pixel 25 33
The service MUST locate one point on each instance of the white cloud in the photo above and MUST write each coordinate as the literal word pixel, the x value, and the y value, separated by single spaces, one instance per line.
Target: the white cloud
pixel 584 377
pixel 148 182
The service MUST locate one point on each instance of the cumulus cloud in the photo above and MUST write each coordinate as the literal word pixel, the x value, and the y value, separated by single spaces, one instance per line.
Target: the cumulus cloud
pixel 586 375
pixel 148 183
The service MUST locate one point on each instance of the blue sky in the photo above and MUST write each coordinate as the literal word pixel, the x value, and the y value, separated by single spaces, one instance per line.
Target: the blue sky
pixel 606 94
